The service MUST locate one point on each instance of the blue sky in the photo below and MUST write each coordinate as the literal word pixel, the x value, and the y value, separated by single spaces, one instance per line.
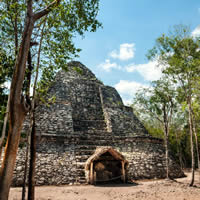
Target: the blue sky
pixel 116 53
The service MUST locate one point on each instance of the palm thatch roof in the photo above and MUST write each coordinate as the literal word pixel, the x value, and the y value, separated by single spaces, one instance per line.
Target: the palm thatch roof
pixel 101 150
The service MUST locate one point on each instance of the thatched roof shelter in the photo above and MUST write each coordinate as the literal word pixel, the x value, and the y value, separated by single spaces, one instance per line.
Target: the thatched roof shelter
pixel 101 150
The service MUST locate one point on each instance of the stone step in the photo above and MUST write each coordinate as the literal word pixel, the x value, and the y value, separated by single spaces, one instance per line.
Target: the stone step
pixel 95 136
pixel 85 147
pixel 85 153
pixel 84 125
pixel 95 143
pixel 98 135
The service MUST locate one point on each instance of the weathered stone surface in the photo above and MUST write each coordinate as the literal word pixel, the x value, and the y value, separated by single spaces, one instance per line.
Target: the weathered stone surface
pixel 85 116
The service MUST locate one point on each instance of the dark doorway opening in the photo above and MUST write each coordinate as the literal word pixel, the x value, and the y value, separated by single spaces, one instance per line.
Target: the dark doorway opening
pixel 106 165
pixel 107 170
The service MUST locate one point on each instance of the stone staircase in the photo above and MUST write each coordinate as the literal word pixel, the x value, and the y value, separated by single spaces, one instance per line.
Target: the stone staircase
pixel 86 125
pixel 86 146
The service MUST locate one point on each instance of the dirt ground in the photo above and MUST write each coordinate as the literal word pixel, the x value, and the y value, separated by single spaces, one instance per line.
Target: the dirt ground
pixel 141 190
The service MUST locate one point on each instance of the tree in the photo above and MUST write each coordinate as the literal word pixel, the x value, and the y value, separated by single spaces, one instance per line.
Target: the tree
pixel 32 134
pixel 79 17
pixel 196 117
pixel 179 53
pixel 179 122
pixel 159 103
pixel 6 64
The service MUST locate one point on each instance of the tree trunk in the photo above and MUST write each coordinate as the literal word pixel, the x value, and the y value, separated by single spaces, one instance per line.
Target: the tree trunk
pixel 17 111
pixel 31 186
pixel 167 157
pixel 191 143
pixel 27 89
pixel 26 161
pixel 197 147
pixel 8 164
pixel 196 138
pixel 179 151
pixel 167 151
pixel 166 134
pixel 4 126
pixel 31 183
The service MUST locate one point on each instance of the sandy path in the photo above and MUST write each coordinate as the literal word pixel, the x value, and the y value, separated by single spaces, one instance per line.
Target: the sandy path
pixel 151 190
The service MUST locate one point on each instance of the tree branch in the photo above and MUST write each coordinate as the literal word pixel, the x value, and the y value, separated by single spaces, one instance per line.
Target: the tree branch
pixel 29 7
pixel 153 114
pixel 46 10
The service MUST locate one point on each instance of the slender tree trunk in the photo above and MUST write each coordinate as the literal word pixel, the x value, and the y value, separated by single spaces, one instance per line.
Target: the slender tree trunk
pixel 10 156
pixel 26 161
pixel 191 144
pixel 197 147
pixel 31 185
pixel 167 151
pixel 4 126
pixel 166 134
pixel 167 158
pixel 179 151
pixel 196 139
pixel 27 89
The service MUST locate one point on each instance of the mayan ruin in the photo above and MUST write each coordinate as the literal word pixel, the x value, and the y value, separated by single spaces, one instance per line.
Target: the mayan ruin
pixel 89 136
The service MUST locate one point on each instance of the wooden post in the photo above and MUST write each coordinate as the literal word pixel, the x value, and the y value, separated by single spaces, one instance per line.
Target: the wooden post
pixel 91 173
pixel 123 172
pixel 95 178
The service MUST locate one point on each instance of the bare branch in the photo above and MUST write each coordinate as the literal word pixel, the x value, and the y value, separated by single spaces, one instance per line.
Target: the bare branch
pixel 46 10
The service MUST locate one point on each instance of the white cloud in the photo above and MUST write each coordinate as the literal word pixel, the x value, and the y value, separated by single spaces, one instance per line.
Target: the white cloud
pixel 108 66
pixel 126 52
pixel 196 31
pixel 127 90
pixel 149 71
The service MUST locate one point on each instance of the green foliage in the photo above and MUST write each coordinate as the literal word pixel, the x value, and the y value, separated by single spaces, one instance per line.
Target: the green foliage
pixel 157 100
pixel 62 25
pixel 179 53
pixel 6 66
pixel 12 14
pixel 56 31
pixel 178 56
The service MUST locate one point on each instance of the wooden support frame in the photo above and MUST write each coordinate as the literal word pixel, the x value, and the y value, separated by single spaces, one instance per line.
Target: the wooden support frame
pixel 123 172
pixel 91 173
pixel 95 178
pixel 90 164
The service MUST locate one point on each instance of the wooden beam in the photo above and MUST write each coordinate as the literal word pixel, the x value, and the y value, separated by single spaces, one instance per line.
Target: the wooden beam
pixel 91 173
pixel 95 178
pixel 123 172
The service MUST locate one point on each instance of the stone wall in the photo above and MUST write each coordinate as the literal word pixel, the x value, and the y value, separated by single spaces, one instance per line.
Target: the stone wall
pixel 93 105
pixel 87 115
pixel 61 159
pixel 55 162
pixel 119 117
pixel 48 119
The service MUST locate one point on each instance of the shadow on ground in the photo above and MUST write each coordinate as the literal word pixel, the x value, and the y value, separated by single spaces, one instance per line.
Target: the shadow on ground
pixel 116 185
